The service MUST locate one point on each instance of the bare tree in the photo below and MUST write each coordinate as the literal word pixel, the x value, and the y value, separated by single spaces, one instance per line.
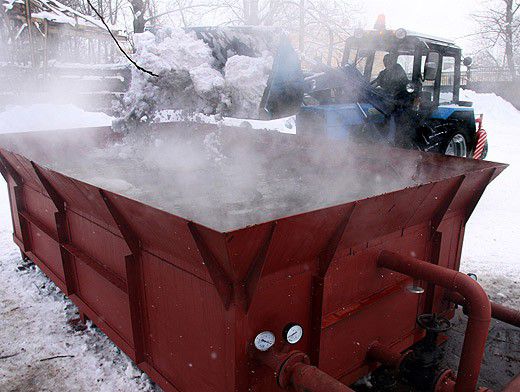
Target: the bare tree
pixel 498 34
pixel 317 27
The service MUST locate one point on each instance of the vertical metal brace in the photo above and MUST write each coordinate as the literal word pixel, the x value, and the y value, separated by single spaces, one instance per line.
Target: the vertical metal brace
pixel 133 279
pixel 223 282
pixel 478 195
pixel 318 282
pixel 18 202
pixel 254 274
pixel 435 251
pixel 62 229
pixel 443 209
pixel 238 292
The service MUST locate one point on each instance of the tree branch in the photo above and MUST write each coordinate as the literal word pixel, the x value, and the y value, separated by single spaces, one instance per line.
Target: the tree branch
pixel 118 44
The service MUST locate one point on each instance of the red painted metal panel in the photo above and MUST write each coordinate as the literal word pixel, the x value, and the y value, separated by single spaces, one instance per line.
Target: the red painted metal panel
pixel 99 243
pixel 47 250
pixel 188 332
pixel 105 299
pixel 396 311
pixel 40 207
pixel 163 234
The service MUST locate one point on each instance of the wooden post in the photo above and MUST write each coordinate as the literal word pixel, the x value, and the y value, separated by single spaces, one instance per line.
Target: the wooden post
pixel 45 55
pixel 29 29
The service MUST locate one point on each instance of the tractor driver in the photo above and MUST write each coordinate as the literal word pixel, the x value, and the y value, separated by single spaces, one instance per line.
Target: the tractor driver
pixel 393 81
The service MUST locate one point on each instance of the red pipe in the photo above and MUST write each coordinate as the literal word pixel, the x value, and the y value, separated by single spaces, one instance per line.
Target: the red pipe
pixel 479 310
pixel 499 312
pixel 306 378
pixel 295 373
pixel 385 356
pixel 513 386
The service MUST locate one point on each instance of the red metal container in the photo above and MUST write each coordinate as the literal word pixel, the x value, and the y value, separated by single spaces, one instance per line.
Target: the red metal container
pixel 185 297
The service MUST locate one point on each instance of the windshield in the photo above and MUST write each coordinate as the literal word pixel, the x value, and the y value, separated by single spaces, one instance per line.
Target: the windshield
pixel 370 62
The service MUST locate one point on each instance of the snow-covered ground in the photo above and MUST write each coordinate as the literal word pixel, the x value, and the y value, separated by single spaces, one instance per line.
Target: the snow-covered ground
pixel 44 116
pixel 41 350
pixel 491 242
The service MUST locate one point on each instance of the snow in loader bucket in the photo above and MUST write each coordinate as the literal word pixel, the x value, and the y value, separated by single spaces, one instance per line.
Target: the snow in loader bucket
pixel 184 241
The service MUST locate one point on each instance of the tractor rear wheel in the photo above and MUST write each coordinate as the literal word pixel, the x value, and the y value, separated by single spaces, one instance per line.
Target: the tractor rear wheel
pixel 446 138
pixel 457 146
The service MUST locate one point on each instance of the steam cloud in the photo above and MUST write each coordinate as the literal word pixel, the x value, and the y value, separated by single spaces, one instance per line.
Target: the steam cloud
pixel 223 178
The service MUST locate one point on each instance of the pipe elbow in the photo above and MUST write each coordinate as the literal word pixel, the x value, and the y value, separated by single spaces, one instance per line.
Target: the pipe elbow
pixel 477 301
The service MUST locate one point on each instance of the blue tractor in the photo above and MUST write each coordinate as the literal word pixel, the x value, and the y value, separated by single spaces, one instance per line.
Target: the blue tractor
pixel 343 103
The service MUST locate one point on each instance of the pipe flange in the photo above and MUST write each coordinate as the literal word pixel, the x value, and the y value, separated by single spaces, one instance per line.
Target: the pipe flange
pixel 285 373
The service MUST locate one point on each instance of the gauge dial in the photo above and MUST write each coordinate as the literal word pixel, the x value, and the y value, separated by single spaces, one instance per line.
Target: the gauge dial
pixel 293 333
pixel 264 340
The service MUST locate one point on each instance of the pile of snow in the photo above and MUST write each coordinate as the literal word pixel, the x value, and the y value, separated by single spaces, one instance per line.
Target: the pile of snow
pixel 185 76
pixel 190 78
pixel 492 233
pixel 41 117
pixel 247 78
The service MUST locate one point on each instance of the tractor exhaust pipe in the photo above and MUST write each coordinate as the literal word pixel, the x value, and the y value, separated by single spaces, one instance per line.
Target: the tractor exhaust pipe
pixel 479 310
pixel 296 374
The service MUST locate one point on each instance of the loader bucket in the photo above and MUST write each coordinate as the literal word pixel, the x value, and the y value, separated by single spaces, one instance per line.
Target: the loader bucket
pixel 184 242
pixel 283 95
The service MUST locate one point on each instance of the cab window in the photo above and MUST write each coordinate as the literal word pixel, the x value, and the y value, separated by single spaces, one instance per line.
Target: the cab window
pixel 447 79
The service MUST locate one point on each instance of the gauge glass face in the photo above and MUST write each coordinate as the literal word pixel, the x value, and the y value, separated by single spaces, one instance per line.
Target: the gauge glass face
pixel 294 334
pixel 264 340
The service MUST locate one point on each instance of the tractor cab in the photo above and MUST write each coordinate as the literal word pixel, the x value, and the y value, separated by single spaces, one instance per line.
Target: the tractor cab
pixel 433 65
pixel 344 103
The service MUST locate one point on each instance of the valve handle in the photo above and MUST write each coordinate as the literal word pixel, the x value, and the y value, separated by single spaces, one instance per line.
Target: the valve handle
pixel 433 323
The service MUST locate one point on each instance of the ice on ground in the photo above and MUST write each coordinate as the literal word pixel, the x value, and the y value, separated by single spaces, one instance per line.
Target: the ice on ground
pixel 40 117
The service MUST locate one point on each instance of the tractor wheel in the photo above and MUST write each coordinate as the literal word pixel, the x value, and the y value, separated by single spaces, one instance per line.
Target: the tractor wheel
pixel 457 146
pixel 485 151
pixel 446 138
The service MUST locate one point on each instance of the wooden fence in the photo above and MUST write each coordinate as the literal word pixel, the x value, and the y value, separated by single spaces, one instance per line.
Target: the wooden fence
pixel 92 87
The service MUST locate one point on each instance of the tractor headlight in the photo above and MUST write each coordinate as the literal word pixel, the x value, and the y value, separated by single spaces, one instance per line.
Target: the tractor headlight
pixel 359 33
pixel 410 88
pixel 401 33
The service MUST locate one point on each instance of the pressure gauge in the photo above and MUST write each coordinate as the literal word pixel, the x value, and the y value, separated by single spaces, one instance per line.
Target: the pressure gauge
pixel 264 340
pixel 293 333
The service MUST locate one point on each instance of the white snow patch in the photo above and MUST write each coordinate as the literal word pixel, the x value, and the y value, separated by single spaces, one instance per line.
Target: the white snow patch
pixel 40 117
pixel 178 50
pixel 206 78
pixel 284 125
pixel 247 78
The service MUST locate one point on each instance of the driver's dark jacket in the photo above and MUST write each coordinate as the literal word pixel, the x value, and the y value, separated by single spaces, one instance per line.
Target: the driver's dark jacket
pixel 392 80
